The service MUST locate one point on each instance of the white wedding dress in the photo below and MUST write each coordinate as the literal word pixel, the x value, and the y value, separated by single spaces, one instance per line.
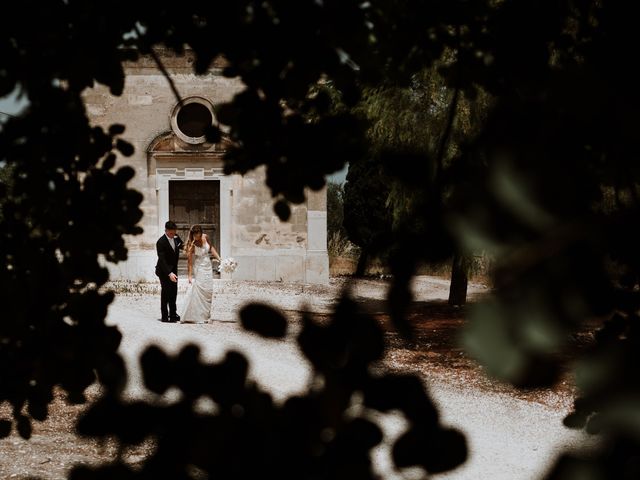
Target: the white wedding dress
pixel 197 303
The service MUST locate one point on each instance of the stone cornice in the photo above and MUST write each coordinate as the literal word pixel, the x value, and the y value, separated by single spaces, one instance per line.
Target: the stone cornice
pixel 172 62
pixel 169 144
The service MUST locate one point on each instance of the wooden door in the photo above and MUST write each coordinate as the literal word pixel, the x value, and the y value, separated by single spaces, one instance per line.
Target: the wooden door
pixel 194 202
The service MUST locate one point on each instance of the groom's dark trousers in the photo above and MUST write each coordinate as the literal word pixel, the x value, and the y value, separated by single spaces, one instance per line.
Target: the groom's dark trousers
pixel 168 263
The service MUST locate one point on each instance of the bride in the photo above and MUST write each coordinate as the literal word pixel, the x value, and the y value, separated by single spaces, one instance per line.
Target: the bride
pixel 197 303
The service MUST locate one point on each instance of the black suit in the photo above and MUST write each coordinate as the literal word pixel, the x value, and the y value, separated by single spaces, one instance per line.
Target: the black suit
pixel 168 263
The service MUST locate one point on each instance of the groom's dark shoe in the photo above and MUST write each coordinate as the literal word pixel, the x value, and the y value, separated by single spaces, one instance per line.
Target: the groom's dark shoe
pixel 164 319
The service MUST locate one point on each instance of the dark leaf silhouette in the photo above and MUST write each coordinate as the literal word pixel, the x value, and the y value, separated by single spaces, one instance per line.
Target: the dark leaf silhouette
pixel 116 129
pixel 5 428
pixel 263 320
pixel 155 366
pixel 437 450
pixel 23 425
pixel 125 147
pixel 545 179
pixel 223 422
pixel 283 210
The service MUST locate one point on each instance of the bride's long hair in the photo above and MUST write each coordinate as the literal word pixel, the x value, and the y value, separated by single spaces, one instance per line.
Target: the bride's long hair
pixel 195 229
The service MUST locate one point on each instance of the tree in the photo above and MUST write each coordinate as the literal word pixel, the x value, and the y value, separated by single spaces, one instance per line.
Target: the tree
pixel 430 124
pixel 367 219
pixel 5 182
pixel 63 184
pixel 338 244
pixel 529 186
pixel 335 205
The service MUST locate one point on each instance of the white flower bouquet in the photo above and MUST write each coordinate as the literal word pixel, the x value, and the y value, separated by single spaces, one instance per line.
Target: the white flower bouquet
pixel 228 265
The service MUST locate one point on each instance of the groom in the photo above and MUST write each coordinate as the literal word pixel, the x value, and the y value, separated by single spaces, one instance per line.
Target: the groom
pixel 168 247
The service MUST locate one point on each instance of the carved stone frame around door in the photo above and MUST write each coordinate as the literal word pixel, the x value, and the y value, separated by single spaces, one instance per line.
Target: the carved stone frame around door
pixel 170 159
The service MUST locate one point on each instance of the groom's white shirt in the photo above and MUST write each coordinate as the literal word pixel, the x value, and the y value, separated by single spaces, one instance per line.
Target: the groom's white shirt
pixel 171 242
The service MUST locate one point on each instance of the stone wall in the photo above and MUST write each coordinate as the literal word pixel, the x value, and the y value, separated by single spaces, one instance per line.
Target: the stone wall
pixel 266 248
pixel 145 108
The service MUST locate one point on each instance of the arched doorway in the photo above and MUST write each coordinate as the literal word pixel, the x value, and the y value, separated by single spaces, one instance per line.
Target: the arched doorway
pixel 194 202
pixel 191 188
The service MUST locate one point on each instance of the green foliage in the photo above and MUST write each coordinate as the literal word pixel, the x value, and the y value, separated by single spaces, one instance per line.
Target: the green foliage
pixel 367 220
pixel 68 207
pixel 57 218
pixel 338 243
pixel 335 208
pixel 546 184
pixel 5 183
pixel 415 131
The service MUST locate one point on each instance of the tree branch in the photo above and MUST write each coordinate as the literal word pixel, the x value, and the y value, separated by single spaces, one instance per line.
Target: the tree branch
pixel 444 139
pixel 446 134
pixel 161 67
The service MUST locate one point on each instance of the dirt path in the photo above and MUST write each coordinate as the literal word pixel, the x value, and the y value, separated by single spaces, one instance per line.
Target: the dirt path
pixel 510 436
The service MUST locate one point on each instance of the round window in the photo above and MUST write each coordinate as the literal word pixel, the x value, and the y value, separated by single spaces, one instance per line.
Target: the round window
pixel 191 118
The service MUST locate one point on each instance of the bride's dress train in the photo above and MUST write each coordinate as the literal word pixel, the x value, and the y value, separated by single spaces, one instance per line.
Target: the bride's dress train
pixel 197 303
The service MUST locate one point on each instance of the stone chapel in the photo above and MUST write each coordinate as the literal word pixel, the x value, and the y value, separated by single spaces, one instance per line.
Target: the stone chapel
pixel 181 178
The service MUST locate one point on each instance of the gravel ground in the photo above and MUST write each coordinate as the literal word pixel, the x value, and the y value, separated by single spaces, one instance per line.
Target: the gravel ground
pixel 509 438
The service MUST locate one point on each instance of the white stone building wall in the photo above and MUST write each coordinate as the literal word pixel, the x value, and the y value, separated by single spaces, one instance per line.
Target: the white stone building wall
pixel 266 248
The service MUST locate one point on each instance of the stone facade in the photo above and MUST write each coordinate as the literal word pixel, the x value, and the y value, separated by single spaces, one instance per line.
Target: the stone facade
pixel 265 248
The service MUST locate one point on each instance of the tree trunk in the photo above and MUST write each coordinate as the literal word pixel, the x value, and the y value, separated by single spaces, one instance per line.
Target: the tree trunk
pixel 459 280
pixel 363 260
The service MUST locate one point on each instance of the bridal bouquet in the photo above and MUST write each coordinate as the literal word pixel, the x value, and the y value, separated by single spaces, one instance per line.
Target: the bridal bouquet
pixel 228 265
